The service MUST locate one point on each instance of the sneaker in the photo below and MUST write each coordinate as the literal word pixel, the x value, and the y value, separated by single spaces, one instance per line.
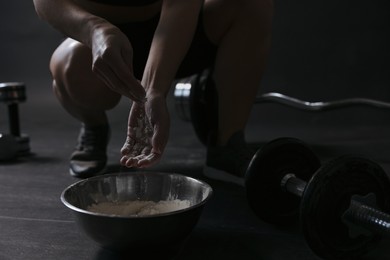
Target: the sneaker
pixel 90 158
pixel 229 163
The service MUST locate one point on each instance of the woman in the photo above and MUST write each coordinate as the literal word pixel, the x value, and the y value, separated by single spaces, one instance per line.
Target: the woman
pixel 136 48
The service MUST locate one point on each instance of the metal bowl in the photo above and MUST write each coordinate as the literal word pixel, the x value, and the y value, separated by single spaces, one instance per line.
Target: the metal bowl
pixel 128 232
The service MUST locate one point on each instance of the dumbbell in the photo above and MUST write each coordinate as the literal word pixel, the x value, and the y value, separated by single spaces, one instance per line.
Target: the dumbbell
pixel 341 204
pixel 13 143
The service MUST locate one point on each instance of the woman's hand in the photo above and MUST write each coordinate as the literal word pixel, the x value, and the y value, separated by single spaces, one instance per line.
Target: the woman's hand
pixel 147 133
pixel 113 61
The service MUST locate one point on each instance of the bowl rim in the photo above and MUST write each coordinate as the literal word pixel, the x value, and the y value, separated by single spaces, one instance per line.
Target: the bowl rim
pixel 83 211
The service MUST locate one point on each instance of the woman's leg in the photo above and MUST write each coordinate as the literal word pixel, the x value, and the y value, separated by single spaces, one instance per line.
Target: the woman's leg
pixel 86 98
pixel 79 91
pixel 242 31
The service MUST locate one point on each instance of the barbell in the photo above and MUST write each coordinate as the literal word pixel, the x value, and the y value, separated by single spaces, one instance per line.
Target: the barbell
pixel 196 101
pixel 341 204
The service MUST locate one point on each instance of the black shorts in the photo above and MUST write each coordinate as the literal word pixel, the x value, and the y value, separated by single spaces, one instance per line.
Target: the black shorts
pixel 201 54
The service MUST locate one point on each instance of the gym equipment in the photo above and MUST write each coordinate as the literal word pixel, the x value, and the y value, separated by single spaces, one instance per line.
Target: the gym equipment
pixel 13 93
pixel 198 104
pixel 274 97
pixel 341 204
pixel 8 147
pixel 192 95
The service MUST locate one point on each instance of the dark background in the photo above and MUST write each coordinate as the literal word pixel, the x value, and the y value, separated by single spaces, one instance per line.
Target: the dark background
pixel 322 50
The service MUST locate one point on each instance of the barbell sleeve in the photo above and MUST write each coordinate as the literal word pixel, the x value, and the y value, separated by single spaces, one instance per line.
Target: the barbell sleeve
pixel 369 218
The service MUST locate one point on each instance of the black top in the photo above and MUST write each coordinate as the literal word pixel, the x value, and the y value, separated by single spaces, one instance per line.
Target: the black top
pixel 126 2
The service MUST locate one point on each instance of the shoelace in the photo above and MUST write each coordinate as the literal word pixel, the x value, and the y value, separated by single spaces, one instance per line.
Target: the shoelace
pixel 90 140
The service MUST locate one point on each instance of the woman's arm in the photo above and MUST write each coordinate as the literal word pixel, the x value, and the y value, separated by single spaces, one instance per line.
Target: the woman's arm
pixel 112 53
pixel 170 44
pixel 69 18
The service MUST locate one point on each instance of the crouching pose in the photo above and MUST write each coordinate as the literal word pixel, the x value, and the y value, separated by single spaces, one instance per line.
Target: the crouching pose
pixel 135 49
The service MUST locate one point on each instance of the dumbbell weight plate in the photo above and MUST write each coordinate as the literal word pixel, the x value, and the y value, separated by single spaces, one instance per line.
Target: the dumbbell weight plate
pixel 12 92
pixel 23 144
pixel 328 195
pixel 8 147
pixel 270 164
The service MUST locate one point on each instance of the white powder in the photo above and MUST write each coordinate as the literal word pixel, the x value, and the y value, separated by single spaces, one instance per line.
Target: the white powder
pixel 141 134
pixel 138 207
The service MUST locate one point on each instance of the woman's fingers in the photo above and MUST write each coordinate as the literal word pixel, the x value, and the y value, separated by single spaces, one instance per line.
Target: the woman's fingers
pixel 140 161
pixel 133 90
pixel 149 160
pixel 112 56
pixel 147 134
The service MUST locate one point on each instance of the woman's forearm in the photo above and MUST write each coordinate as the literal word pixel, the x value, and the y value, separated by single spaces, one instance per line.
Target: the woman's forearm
pixel 69 18
pixel 171 42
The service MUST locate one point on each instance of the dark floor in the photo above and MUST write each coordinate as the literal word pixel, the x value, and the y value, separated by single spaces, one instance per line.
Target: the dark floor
pixel 35 225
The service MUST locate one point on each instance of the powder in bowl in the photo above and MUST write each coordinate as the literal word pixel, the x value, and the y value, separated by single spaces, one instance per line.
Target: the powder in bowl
pixel 138 207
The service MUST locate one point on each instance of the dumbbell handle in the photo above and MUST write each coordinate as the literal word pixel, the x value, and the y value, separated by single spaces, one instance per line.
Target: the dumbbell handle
pixel 358 213
pixel 13 119
pixel 292 184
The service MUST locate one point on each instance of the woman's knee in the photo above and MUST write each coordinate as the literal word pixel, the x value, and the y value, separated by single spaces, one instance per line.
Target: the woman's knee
pixel 254 15
pixel 254 10
pixel 65 57
pixel 70 66
pixel 261 11
pixel 68 62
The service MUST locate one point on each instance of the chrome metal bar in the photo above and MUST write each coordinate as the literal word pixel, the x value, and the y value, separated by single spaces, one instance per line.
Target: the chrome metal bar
pixel 369 218
pixel 274 97
pixel 292 184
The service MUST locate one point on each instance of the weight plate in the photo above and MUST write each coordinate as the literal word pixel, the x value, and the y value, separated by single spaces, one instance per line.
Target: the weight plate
pixel 327 196
pixel 270 164
pixel 23 144
pixel 12 92
pixel 8 147
pixel 203 106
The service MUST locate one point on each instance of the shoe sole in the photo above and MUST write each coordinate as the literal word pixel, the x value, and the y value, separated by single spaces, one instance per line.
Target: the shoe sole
pixel 84 176
pixel 219 175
